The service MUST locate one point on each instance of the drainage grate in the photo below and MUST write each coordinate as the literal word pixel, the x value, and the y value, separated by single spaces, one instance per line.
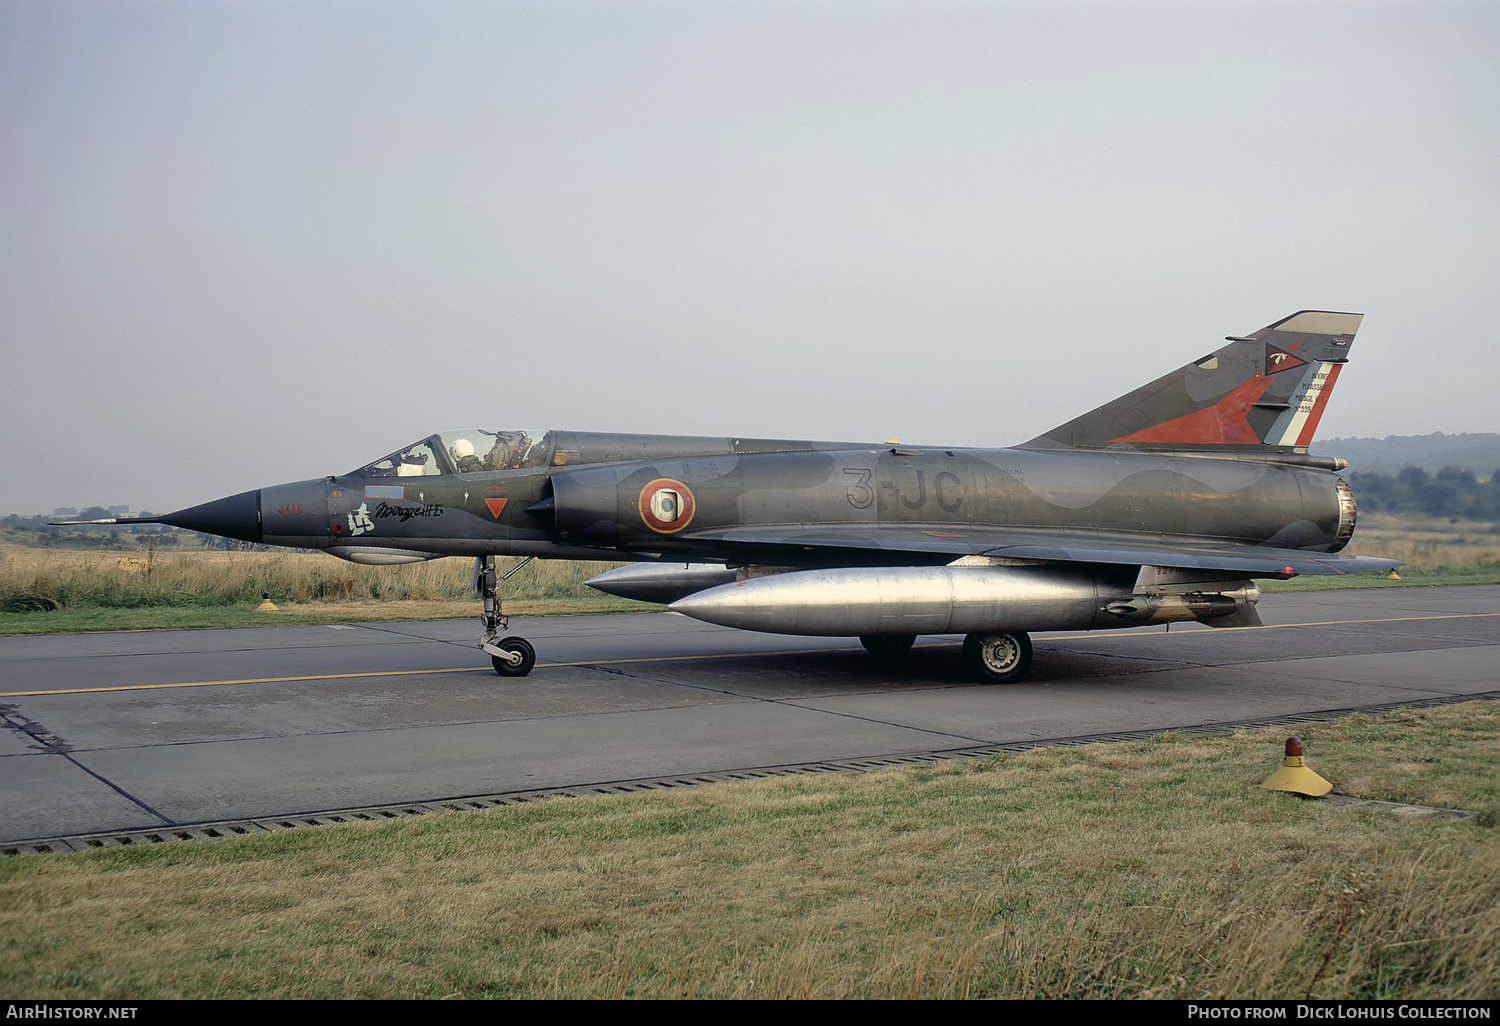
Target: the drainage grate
pixel 376 814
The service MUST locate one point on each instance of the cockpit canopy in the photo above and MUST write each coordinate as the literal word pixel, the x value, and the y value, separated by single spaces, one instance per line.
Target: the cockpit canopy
pixel 465 452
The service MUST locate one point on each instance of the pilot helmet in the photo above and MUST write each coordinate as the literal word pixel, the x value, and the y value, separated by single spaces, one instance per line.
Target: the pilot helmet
pixel 461 450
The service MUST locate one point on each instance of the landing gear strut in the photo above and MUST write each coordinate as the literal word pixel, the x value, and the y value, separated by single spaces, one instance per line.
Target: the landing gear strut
pixel 997 658
pixel 511 657
pixel 888 647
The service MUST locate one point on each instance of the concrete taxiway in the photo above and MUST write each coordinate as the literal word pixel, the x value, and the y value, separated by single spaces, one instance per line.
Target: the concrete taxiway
pixel 141 730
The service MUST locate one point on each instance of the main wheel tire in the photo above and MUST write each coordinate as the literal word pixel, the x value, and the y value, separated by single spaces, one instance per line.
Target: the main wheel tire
pixel 521 647
pixel 888 646
pixel 997 658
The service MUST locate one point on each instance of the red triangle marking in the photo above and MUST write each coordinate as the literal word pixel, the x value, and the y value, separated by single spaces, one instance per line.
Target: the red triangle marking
pixel 495 505
pixel 1222 423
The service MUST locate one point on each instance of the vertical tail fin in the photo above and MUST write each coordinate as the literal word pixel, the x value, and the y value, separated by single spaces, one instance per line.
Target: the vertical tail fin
pixel 1263 393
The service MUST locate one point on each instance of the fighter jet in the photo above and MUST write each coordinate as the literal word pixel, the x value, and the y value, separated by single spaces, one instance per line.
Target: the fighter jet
pixel 1163 505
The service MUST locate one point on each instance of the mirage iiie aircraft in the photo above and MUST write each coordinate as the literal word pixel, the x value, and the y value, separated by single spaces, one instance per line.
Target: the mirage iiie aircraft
pixel 1162 505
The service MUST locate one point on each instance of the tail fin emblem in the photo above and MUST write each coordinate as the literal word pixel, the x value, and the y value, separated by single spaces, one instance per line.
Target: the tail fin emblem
pixel 1278 360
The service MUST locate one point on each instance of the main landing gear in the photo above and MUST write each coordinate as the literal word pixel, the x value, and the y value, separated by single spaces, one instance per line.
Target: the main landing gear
pixel 511 657
pixel 888 648
pixel 1001 658
pixel 997 658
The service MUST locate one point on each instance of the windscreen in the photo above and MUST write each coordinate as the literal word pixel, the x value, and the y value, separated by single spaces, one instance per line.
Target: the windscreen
pixel 469 451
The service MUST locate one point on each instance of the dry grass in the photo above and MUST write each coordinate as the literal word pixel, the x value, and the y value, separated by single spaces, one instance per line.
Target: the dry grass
pixel 1430 544
pixel 1151 870
pixel 49 579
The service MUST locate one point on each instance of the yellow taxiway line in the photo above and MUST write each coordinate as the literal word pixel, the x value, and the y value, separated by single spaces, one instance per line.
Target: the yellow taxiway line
pixel 1055 636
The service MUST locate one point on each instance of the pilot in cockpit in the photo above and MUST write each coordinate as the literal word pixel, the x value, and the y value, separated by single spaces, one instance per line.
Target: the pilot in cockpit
pixel 464 458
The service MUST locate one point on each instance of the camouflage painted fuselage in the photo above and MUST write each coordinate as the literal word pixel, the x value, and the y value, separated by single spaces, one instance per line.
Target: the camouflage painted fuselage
pixel 813 503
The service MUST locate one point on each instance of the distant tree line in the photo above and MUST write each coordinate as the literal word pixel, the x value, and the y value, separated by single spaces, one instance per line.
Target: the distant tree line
pixel 1478 452
pixel 1454 492
pixel 35 530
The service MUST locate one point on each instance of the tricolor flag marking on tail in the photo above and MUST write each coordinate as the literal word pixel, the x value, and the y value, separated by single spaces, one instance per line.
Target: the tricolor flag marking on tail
pixel 1297 425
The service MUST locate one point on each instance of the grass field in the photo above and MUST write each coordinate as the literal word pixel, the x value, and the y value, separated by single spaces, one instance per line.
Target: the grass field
pixel 1430 544
pixel 45 590
pixel 1110 871
pixel 1436 551
pixel 47 579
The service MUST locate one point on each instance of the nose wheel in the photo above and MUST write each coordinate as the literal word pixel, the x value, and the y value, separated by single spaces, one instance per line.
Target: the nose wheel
pixel 511 657
pixel 518 659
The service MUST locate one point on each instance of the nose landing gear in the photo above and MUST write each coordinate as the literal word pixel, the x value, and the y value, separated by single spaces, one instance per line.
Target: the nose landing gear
pixel 511 657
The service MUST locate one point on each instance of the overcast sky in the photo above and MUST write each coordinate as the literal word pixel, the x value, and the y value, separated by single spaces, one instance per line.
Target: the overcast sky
pixel 254 242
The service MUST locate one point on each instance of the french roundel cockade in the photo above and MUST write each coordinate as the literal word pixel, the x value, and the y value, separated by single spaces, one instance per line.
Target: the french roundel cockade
pixel 666 505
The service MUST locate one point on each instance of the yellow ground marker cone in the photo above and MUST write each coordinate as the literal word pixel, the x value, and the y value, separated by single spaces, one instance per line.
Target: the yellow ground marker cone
pixel 1294 776
pixel 1393 576
pixel 266 605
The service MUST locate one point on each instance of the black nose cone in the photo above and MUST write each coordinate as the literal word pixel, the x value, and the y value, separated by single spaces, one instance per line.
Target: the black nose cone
pixel 237 516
